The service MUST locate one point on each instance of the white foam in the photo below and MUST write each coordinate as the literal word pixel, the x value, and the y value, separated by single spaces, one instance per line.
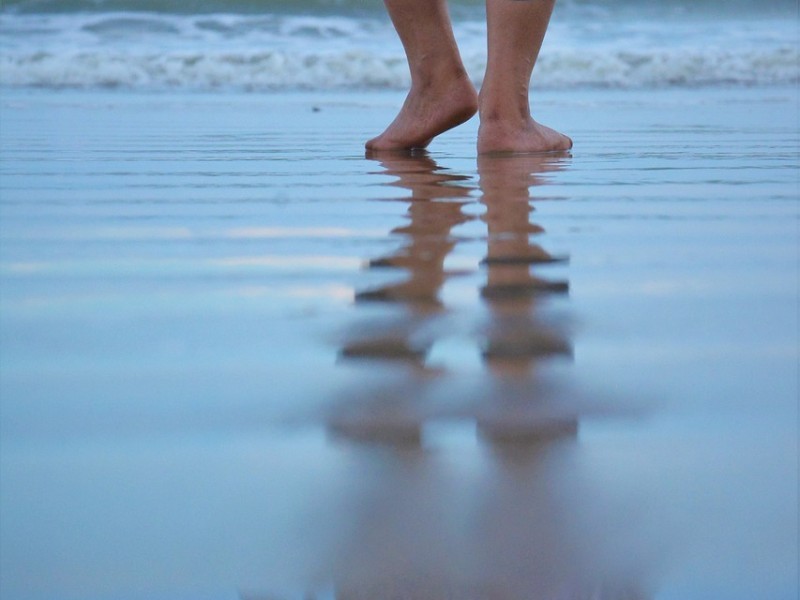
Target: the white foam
pixel 288 52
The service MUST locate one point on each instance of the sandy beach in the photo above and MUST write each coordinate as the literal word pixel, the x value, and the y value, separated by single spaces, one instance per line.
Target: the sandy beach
pixel 239 359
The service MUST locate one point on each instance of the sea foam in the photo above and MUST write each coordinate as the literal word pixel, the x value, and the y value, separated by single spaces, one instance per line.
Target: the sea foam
pixel 264 52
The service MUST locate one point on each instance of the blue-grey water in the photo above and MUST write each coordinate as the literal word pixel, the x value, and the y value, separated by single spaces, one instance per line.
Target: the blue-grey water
pixel 239 359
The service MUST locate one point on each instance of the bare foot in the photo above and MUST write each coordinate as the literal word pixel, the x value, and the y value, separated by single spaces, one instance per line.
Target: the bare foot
pixel 427 112
pixel 497 135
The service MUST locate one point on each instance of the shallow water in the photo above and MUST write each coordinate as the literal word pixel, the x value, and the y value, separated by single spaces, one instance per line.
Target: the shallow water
pixel 241 359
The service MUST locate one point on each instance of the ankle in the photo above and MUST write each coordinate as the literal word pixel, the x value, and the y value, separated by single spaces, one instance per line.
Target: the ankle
pixel 502 122
pixel 507 109
pixel 440 75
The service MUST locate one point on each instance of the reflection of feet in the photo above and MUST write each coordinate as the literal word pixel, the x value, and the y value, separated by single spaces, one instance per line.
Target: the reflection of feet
pixel 528 432
pixel 427 112
pixel 385 348
pixel 497 135
pixel 523 290
pixel 422 291
pixel 395 432
pixel 526 345
pixel 525 255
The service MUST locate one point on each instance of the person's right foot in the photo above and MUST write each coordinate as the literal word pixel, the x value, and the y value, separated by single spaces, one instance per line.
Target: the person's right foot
pixel 496 135
pixel 428 112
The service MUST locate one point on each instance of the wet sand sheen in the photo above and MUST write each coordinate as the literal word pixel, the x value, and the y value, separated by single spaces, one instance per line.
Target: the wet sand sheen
pixel 240 359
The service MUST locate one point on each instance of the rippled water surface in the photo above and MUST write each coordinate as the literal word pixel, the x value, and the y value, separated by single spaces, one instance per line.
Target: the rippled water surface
pixel 242 360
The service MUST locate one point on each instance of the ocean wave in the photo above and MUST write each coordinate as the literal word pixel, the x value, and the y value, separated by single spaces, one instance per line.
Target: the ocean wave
pixel 189 7
pixel 354 68
pixel 270 51
pixel 250 7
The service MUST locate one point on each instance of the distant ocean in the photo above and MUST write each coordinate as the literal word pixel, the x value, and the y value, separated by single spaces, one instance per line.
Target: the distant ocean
pixel 350 44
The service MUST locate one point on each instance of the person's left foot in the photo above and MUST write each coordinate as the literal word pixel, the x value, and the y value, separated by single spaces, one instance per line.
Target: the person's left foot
pixel 428 112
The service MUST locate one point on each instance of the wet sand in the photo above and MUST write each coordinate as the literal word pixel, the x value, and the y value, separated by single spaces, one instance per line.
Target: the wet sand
pixel 240 359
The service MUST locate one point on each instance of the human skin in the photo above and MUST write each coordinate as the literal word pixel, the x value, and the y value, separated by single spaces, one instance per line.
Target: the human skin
pixel 516 30
pixel 442 96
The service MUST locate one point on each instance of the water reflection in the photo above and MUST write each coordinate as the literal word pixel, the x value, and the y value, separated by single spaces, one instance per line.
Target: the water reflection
pixel 517 339
pixel 503 519
pixel 512 400
pixel 395 410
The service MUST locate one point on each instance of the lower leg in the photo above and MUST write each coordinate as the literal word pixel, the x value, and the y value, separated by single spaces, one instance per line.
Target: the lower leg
pixel 441 94
pixel 516 29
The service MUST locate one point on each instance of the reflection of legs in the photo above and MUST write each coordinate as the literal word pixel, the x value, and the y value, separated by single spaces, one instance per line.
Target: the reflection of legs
pixel 393 411
pixel 515 34
pixel 518 338
pixel 441 94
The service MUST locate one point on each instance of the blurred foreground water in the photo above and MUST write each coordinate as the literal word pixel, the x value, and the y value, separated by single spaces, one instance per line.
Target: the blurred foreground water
pixel 240 359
